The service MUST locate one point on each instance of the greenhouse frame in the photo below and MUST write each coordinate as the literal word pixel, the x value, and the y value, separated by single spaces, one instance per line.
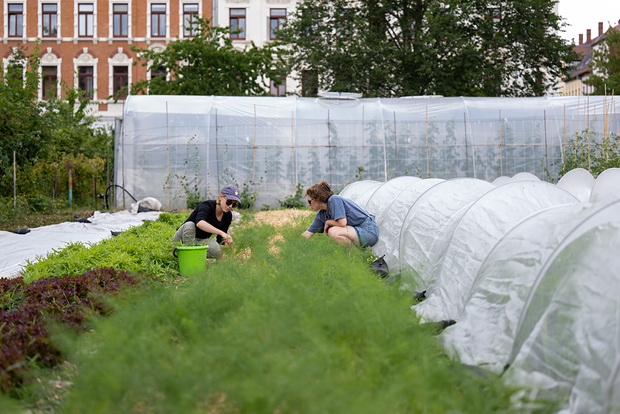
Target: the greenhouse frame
pixel 174 147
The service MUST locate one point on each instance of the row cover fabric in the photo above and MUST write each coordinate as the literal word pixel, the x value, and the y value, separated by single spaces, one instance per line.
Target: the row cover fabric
pixel 528 269
pixel 170 147
pixel 20 249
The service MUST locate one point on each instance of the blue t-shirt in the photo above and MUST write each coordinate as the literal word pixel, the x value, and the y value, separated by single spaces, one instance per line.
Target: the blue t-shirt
pixel 337 208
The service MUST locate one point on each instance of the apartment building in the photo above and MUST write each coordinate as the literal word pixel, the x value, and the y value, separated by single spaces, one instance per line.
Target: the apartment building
pixel 257 21
pixel 581 70
pixel 86 43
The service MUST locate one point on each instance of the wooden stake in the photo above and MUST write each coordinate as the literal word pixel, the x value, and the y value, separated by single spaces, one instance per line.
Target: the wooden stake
pixel 363 146
pixel 428 171
pixel 466 151
pixel 501 164
pixel 254 153
pixel 395 146
pixel 293 148
pixel 167 158
pixel 217 154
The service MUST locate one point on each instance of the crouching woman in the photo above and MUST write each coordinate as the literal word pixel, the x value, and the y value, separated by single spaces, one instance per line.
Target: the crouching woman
pixel 340 218
pixel 209 218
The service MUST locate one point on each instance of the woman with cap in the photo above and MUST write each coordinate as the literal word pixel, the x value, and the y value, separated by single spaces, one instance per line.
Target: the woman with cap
pixel 208 218
pixel 340 218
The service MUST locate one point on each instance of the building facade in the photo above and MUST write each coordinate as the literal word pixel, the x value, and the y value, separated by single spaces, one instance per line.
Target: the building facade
pixel 574 85
pixel 257 21
pixel 86 44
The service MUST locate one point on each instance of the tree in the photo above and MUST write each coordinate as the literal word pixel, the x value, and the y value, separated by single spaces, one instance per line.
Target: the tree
pixel 605 65
pixel 424 47
pixel 41 132
pixel 209 64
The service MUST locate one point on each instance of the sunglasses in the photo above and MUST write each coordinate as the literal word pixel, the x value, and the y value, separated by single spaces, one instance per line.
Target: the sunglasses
pixel 310 202
pixel 233 203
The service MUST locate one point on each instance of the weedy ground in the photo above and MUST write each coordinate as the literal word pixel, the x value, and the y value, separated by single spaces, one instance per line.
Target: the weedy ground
pixel 280 324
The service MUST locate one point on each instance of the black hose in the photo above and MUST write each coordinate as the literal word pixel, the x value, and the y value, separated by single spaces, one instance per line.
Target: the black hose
pixel 107 207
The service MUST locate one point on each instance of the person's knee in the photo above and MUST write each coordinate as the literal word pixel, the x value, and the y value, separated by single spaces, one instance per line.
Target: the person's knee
pixel 214 250
pixel 188 232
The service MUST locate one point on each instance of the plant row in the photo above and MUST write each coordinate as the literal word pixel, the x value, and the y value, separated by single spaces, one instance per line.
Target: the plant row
pixel 304 327
pixel 26 309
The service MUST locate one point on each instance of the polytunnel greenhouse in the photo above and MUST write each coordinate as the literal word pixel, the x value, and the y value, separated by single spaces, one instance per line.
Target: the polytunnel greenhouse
pixel 173 147
pixel 528 270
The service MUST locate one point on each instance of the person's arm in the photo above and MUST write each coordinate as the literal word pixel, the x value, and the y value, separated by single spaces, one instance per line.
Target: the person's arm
pixel 316 226
pixel 335 223
pixel 336 209
pixel 209 228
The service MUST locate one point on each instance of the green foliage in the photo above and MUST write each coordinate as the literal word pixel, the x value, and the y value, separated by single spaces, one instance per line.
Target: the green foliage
pixel 296 200
pixel 45 135
pixel 145 248
pixel 25 309
pixel 605 66
pixel 189 184
pixel 209 64
pixel 450 48
pixel 596 157
pixel 311 329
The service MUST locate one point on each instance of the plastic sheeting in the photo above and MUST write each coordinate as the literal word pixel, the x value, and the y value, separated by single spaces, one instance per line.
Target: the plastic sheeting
pixel 527 268
pixel 354 190
pixel 567 344
pixel 477 231
pixel 169 146
pixel 19 249
pixel 390 218
pixel 429 224
pixel 578 182
pixel 485 332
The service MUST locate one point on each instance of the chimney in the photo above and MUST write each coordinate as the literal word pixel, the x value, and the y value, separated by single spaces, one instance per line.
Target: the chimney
pixel 589 36
pixel 580 38
pixel 600 28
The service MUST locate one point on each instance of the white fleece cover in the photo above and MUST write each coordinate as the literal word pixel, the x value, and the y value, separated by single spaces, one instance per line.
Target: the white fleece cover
pixel 16 250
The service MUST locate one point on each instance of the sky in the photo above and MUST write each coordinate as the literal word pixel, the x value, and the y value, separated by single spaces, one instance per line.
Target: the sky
pixel 585 14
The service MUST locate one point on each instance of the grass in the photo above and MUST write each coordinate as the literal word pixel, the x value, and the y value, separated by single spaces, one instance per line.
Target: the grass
pixel 36 214
pixel 309 329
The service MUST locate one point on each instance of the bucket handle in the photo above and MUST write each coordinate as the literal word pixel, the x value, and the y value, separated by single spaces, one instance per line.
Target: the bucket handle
pixel 174 252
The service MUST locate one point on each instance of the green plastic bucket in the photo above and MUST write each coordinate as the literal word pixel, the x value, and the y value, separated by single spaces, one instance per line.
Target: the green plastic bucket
pixel 192 259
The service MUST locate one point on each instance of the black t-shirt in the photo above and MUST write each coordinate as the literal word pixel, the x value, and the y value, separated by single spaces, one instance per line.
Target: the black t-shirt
pixel 206 211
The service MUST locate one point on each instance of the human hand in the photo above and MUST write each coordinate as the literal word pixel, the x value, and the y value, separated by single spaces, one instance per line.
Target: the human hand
pixel 227 238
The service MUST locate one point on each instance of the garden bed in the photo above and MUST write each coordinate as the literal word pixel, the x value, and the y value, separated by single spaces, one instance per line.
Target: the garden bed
pixel 305 329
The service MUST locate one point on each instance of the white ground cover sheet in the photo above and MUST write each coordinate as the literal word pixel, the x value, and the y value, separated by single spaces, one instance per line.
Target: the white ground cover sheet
pixel 16 250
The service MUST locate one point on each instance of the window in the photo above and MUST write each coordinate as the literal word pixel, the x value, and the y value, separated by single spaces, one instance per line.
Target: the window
pixel 495 14
pixel 344 28
pixel 50 19
pixel 120 19
pixel 309 83
pixel 280 89
pixel 120 82
pixel 309 25
pixel 159 72
pixel 86 81
pixel 237 24
pixel 277 17
pixel 158 20
pixel 16 20
pixel 14 75
pixel 50 82
pixel 190 25
pixel 85 20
